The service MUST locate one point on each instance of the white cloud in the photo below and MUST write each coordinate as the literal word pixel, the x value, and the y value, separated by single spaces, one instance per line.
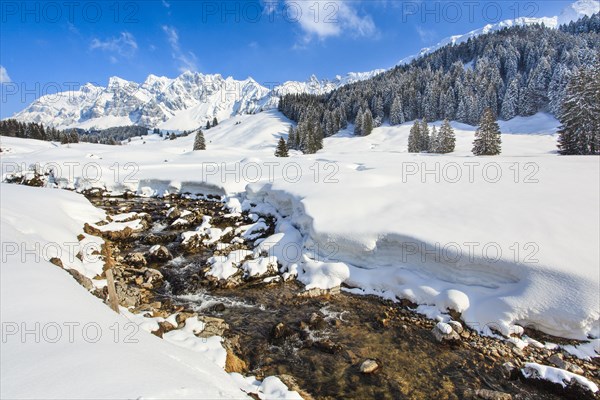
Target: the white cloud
pixel 187 59
pixel 166 4
pixel 325 18
pixel 4 78
pixel 426 35
pixel 124 45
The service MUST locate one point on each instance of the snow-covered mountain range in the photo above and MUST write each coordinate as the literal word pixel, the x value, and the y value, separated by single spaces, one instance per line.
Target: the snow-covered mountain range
pixel 185 102
pixel 191 99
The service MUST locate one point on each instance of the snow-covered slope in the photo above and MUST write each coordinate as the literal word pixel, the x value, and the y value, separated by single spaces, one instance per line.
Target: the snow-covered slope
pixel 183 103
pixel 369 198
pixel 571 13
pixel 77 347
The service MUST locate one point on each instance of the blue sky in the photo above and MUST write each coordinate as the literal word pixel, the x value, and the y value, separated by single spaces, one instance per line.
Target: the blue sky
pixel 47 46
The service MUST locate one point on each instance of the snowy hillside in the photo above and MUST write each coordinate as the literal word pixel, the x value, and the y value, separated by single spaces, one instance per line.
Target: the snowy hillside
pixel 571 13
pixel 371 199
pixel 90 363
pixel 183 103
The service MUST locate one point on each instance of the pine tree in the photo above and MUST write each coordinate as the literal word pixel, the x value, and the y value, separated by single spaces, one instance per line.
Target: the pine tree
pixel 358 123
pixel 487 137
pixel 446 139
pixel 281 150
pixel 378 113
pixel 397 112
pixel 510 103
pixel 367 123
pixel 414 138
pixel 207 125
pixel 291 142
pixel 199 143
pixel 215 122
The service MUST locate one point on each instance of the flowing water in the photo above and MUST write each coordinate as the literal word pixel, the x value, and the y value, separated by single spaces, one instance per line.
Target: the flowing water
pixel 322 341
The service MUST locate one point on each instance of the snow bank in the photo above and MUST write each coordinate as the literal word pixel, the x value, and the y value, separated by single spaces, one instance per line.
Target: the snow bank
pixel 557 375
pixel 61 342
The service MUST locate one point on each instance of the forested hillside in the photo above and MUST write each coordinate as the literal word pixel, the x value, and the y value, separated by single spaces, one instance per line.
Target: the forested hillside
pixel 518 71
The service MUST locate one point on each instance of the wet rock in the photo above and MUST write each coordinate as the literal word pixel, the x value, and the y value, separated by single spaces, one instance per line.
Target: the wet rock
pixel 316 322
pixel 280 333
pixel 369 366
pixel 81 279
pixel 443 332
pixel 160 253
pixel 219 307
pixel 328 346
pixel 212 327
pixel 136 260
pixel 154 239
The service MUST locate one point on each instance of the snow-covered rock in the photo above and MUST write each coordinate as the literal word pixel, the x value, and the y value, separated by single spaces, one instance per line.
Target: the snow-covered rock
pixel 557 375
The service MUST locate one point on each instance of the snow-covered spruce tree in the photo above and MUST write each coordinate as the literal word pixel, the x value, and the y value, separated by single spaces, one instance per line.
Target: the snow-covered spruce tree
pixel 215 122
pixel 378 114
pixel 580 116
pixel 358 123
pixel 414 138
pixel 434 141
pixel 281 150
pixel 199 143
pixel 424 136
pixel 397 112
pixel 510 104
pixel 446 139
pixel 367 123
pixel 487 137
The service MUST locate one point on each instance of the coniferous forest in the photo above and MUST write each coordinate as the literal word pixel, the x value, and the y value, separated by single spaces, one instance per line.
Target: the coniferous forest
pixel 517 71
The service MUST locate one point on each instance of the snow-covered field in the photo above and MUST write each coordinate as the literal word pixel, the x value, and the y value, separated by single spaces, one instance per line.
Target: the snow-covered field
pixel 506 240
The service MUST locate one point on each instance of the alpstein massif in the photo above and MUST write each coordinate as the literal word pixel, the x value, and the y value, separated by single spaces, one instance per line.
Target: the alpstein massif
pixel 185 102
